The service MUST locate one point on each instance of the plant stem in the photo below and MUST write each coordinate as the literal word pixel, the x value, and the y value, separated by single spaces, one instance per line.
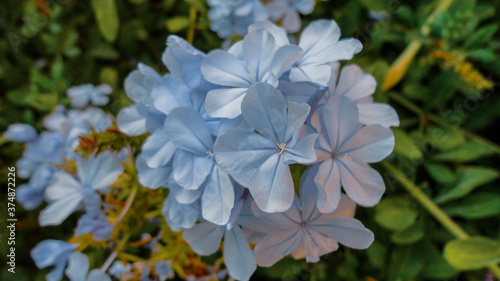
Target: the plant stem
pixel 428 204
pixel 130 199
pixel 433 209
pixel 192 18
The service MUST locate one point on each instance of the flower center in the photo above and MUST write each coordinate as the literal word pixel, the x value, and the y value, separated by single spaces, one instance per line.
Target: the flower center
pixel 210 154
pixel 281 148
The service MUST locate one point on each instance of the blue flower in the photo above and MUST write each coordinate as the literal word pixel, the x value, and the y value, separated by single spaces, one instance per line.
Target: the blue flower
pixel 262 61
pixel 321 46
pixel 288 12
pixel 194 166
pixel 21 133
pixel 259 161
pixel 68 192
pixel 83 94
pixel 164 270
pixel 97 224
pixel 205 238
pixel 53 252
pixel 343 149
pixel 78 269
pixel 303 231
pixel 232 17
pixel 353 83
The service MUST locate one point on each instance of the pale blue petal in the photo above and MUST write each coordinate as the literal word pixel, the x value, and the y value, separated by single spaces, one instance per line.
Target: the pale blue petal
pixel 78 266
pixel 190 170
pixel 99 172
pixel 186 129
pixel 238 256
pixel 21 133
pixel 56 212
pixel 264 108
pixel 225 102
pixel 204 238
pixel 97 225
pixel 318 36
pixel 300 92
pixel 152 177
pixel 354 83
pixel 276 245
pixel 272 185
pixel 340 118
pixel 378 113
pixel 258 49
pixel 218 197
pixel 308 193
pixel 319 74
pixel 29 197
pixel 291 21
pixel 370 144
pixel 180 216
pixel 49 252
pixel 139 84
pixel 164 270
pixel 302 152
pixel 278 32
pixel 98 275
pixel 130 122
pixel 240 153
pixel 362 183
pixel 184 196
pixel 168 95
pixel 315 245
pixel 158 150
pixel 327 181
pixel 296 116
pixel 180 58
pixel 221 68
pixel 347 231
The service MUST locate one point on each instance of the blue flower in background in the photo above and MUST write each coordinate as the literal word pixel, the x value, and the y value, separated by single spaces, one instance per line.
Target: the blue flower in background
pixel 259 161
pixel 303 231
pixel 78 269
pixel 83 94
pixel 21 133
pixel 343 149
pixel 288 12
pixel 68 192
pixel 262 61
pixel 97 224
pixel 53 253
pixel 233 17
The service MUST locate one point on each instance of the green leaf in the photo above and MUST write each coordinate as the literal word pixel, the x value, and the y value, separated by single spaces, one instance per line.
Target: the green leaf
pixel 105 52
pixel 406 262
pixel 468 180
pixel 475 206
pixel 482 36
pixel 377 253
pixel 484 55
pixel 436 266
pixel 395 213
pixel 473 253
pixel 440 173
pixel 177 24
pixel 410 235
pixel 445 138
pixel 107 18
pixel 465 152
pixel 375 5
pixel 405 145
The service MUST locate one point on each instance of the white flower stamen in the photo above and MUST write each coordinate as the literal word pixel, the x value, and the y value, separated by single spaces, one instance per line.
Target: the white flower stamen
pixel 281 148
pixel 210 154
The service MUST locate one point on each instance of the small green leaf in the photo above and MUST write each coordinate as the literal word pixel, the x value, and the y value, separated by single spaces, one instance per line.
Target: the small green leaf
pixel 440 173
pixel 177 24
pixel 484 55
pixel 395 214
pixel 377 253
pixel 405 145
pixel 436 266
pixel 406 262
pixel 475 206
pixel 107 18
pixel 482 36
pixel 468 180
pixel 465 152
pixel 473 253
pixel 445 138
pixel 410 235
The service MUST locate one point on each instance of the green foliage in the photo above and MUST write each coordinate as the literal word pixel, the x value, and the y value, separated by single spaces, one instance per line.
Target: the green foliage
pixel 447 143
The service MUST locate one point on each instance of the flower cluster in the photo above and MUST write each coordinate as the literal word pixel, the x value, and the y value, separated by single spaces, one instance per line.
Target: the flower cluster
pixel 226 126
pixel 233 17
pixel 56 144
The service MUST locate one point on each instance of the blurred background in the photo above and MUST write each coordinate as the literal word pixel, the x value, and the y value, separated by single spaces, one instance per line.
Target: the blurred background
pixel 447 144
